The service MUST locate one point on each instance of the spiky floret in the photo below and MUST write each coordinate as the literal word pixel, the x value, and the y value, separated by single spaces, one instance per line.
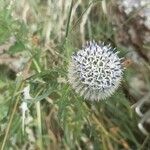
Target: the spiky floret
pixel 95 71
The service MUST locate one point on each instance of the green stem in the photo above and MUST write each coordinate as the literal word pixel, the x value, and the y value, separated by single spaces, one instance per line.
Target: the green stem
pixel 38 110
pixel 68 21
pixel 11 118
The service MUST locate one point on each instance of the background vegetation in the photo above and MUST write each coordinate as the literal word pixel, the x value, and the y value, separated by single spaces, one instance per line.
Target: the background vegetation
pixel 38 108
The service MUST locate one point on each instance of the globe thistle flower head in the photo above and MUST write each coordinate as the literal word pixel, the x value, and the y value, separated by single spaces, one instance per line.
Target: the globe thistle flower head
pixel 95 71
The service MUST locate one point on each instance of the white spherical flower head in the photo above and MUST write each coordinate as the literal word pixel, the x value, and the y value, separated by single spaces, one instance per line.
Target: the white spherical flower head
pixel 95 71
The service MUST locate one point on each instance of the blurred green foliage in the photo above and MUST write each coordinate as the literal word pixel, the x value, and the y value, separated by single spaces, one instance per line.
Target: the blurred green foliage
pixel 48 33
